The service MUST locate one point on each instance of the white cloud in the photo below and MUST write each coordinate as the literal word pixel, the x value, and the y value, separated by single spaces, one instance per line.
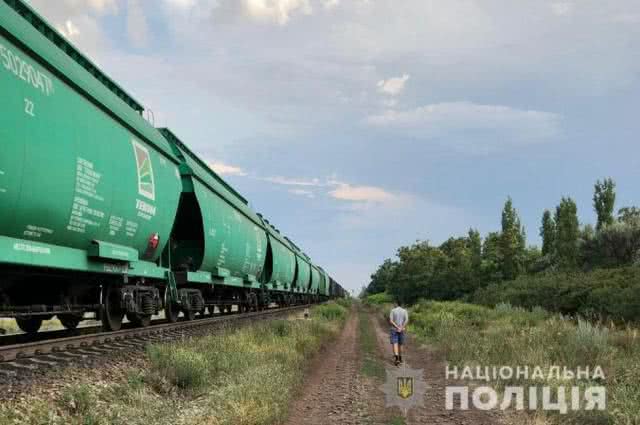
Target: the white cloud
pixel 393 86
pixel 470 121
pixel 330 4
pixel 69 29
pixel 347 192
pixel 102 6
pixel 137 28
pixel 287 181
pixel 274 11
pixel 226 170
pixel 360 196
pixel 181 4
pixel 80 22
pixel 302 192
pixel 626 18
pixel 561 8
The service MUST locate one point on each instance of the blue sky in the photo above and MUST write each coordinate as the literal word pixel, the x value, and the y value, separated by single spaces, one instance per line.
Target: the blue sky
pixel 357 126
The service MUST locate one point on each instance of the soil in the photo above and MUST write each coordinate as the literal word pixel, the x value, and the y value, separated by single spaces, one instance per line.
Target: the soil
pixel 335 392
pixel 331 390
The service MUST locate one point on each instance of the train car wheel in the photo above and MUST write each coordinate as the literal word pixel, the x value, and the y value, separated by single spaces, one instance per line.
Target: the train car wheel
pixel 112 313
pixel 254 302
pixel 189 314
pixel 171 310
pixel 139 320
pixel 29 325
pixel 70 321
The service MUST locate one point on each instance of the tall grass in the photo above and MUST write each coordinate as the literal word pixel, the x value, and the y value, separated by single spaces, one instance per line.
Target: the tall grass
pixel 472 335
pixel 245 376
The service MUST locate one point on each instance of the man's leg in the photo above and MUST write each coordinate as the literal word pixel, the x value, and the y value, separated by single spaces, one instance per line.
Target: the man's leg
pixel 394 345
pixel 400 344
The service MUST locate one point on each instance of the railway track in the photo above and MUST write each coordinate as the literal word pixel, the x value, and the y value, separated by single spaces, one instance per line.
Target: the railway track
pixel 18 360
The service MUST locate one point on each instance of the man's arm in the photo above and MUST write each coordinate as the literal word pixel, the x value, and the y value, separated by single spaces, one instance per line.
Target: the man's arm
pixel 406 321
pixel 392 322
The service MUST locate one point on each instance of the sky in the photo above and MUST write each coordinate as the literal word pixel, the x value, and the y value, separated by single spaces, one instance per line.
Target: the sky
pixel 358 126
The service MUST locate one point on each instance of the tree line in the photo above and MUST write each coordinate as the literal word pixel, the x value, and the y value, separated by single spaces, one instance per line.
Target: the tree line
pixel 471 267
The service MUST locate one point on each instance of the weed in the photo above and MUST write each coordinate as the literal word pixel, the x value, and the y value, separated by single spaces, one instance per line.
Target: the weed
pixel 371 364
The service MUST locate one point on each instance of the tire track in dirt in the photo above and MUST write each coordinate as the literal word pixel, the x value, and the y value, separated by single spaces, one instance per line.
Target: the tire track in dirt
pixel 335 391
pixel 330 393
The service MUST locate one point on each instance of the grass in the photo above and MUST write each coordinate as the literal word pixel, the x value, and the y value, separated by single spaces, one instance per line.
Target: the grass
pixel 398 420
pixel 371 364
pixel 472 335
pixel 245 376
pixel 10 326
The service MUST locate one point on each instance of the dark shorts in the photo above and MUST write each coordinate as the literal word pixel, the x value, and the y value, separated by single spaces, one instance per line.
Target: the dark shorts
pixel 396 337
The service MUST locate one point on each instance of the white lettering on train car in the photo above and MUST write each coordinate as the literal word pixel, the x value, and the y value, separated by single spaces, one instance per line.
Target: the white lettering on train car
pixel 25 71
pixel 33 249
pixel 145 211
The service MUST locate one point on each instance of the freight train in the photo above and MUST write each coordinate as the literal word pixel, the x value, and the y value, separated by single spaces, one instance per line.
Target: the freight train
pixel 102 213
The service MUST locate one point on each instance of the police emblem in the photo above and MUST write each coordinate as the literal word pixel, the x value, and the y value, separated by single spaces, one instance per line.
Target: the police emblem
pixel 405 386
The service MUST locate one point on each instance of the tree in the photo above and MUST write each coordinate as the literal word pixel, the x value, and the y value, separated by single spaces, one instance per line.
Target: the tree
pixel 419 273
pixel 548 233
pixel 381 279
pixel 629 215
pixel 512 242
pixel 457 272
pixel 491 258
pixel 604 198
pixel 567 232
pixel 475 246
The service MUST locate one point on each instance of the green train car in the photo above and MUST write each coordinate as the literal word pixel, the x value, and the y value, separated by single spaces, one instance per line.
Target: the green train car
pixel 101 212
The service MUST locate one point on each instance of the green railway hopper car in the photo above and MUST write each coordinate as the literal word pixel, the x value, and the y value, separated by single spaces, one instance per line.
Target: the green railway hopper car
pixel 303 277
pixel 281 263
pixel 217 239
pixel 86 184
pixel 325 285
pixel 314 286
pixel 102 213
pixel 303 271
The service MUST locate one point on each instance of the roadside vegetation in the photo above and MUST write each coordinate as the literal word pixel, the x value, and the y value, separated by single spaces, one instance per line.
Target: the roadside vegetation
pixel 494 300
pixel 473 335
pixel 245 376
pixel 580 269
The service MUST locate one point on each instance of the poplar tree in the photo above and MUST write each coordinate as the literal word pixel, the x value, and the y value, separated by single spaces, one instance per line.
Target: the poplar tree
pixel 475 247
pixel 548 233
pixel 512 242
pixel 567 233
pixel 604 198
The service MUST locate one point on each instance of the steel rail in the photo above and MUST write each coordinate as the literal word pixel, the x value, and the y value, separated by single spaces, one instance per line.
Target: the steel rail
pixel 13 352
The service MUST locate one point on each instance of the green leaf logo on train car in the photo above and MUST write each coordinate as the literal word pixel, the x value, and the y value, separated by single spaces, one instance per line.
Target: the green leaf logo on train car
pixel 146 185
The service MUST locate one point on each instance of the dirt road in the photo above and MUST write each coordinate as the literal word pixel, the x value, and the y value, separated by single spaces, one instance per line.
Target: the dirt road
pixel 336 391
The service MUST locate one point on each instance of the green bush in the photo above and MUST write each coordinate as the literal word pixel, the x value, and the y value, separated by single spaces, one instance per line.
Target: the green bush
pixel 379 299
pixel 184 367
pixel 344 302
pixel 330 311
pixel 611 293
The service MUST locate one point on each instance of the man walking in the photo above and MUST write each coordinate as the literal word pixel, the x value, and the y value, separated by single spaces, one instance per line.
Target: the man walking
pixel 399 319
